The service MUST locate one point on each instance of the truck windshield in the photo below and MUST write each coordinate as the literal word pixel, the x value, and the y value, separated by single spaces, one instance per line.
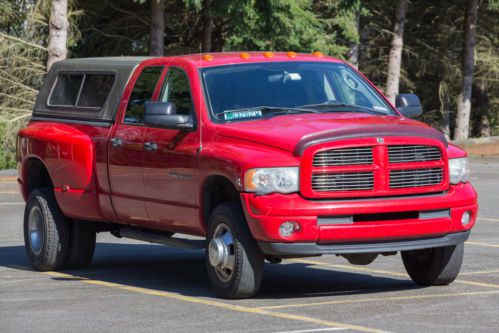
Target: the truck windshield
pixel 249 91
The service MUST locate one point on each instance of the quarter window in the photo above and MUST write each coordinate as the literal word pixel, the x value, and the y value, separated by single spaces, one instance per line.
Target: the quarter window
pixel 177 91
pixel 142 92
pixel 96 88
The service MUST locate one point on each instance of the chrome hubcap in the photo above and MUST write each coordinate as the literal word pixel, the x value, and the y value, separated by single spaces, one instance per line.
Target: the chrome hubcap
pixel 221 252
pixel 35 229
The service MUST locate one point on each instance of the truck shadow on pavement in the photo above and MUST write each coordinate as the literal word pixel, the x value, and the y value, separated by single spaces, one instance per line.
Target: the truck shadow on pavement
pixel 183 271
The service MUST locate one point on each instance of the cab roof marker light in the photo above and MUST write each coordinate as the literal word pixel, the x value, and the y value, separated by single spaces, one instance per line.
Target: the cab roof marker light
pixel 318 54
pixel 208 57
pixel 291 54
pixel 268 54
pixel 244 55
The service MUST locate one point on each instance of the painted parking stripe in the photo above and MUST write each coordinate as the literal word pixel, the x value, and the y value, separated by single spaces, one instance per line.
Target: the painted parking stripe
pixel 487 219
pixel 480 272
pixel 328 329
pixel 217 304
pixel 384 272
pixel 12 203
pixel 483 244
pixel 381 299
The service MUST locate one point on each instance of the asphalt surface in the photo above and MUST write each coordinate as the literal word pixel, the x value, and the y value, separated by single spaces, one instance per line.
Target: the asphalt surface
pixel 138 287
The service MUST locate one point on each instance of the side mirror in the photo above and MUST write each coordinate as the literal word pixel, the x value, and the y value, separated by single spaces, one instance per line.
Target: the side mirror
pixel 409 105
pixel 164 114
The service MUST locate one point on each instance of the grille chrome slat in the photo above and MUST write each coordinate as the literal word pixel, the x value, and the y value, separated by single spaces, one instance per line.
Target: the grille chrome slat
pixel 413 153
pixel 333 182
pixel 415 177
pixel 344 156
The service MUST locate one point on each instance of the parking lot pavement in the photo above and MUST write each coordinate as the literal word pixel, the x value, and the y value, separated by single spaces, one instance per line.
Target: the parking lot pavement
pixel 134 286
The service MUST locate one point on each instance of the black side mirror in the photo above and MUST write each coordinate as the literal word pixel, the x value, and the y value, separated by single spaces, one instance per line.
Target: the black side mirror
pixel 164 114
pixel 409 105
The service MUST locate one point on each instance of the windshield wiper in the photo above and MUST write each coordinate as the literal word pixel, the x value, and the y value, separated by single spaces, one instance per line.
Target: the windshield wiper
pixel 333 105
pixel 275 109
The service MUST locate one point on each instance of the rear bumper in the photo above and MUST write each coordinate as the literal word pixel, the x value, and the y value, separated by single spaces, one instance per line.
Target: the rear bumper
pixel 369 224
pixel 311 249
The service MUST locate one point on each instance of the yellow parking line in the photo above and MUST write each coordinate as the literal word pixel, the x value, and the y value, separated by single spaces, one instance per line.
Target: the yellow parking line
pixel 225 306
pixel 480 272
pixel 383 272
pixel 488 219
pixel 483 244
pixel 380 299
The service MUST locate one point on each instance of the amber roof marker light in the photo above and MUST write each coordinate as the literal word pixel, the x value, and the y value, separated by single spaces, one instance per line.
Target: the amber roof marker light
pixel 318 54
pixel 244 55
pixel 291 54
pixel 208 57
pixel 268 54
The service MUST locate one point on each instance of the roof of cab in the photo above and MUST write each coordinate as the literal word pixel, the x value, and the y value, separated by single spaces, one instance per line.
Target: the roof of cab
pixel 199 59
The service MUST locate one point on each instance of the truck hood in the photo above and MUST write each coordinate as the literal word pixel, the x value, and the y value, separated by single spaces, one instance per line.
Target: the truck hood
pixel 294 133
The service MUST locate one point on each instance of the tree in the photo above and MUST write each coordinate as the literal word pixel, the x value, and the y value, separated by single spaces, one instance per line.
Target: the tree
pixel 395 58
pixel 207 26
pixel 464 103
pixel 58 32
pixel 157 34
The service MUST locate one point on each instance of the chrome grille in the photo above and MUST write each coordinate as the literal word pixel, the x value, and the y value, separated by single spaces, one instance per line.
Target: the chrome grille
pixel 351 181
pixel 401 154
pixel 345 156
pixel 415 177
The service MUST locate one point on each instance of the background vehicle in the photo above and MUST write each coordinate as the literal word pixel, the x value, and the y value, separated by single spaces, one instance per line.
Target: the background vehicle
pixel 265 157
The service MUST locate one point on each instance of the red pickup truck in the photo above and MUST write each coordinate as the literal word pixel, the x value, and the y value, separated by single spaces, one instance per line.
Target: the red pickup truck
pixel 263 156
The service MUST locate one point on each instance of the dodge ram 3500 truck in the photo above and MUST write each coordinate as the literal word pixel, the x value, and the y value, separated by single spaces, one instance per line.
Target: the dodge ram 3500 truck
pixel 264 156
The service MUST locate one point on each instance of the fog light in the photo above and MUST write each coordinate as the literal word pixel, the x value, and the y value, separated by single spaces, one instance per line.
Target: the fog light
pixel 287 228
pixel 466 218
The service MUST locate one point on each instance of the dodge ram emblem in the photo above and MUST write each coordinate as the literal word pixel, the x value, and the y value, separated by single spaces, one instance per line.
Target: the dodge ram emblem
pixel 380 140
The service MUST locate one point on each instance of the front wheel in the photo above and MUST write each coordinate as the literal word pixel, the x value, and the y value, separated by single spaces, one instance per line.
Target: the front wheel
pixel 434 267
pixel 233 259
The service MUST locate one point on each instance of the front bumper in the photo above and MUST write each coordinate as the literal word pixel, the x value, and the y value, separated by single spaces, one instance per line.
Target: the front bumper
pixel 267 212
pixel 311 249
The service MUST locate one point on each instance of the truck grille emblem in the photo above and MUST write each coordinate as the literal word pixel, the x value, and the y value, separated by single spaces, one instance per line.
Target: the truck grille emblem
pixel 380 140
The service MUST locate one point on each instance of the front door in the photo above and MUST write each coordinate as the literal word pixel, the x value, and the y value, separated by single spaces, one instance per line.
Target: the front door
pixel 170 162
pixel 126 149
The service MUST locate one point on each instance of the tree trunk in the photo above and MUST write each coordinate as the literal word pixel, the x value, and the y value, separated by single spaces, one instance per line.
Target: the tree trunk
pixel 353 54
pixel 480 97
pixel 208 26
pixel 157 28
pixel 464 103
pixel 58 32
pixel 395 58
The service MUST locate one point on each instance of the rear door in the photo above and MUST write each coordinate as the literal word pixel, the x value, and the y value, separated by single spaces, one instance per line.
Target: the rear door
pixel 169 177
pixel 126 148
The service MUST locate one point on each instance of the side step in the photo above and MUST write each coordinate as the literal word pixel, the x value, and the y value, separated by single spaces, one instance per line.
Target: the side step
pixel 151 237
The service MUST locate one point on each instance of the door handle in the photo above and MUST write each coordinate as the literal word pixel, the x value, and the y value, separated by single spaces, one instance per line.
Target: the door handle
pixel 116 142
pixel 150 146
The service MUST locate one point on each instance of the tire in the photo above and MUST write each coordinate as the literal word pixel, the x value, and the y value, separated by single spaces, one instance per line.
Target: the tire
pixel 46 231
pixel 434 267
pixel 245 277
pixel 81 244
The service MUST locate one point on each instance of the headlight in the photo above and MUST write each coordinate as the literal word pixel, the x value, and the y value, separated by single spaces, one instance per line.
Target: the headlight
pixel 269 180
pixel 459 171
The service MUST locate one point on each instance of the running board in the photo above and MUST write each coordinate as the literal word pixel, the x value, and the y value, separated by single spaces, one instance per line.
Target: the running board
pixel 152 237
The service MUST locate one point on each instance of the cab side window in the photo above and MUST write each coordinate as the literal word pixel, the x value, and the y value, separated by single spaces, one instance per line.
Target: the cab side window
pixel 142 93
pixel 176 90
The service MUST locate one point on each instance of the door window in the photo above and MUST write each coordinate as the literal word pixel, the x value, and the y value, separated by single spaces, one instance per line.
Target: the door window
pixel 142 92
pixel 176 90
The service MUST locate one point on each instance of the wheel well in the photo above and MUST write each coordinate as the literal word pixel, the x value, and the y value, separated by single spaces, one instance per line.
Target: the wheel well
pixel 36 176
pixel 217 190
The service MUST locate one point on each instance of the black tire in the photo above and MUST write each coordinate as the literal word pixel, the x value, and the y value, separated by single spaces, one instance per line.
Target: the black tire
pixel 247 274
pixel 81 244
pixel 434 267
pixel 46 238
